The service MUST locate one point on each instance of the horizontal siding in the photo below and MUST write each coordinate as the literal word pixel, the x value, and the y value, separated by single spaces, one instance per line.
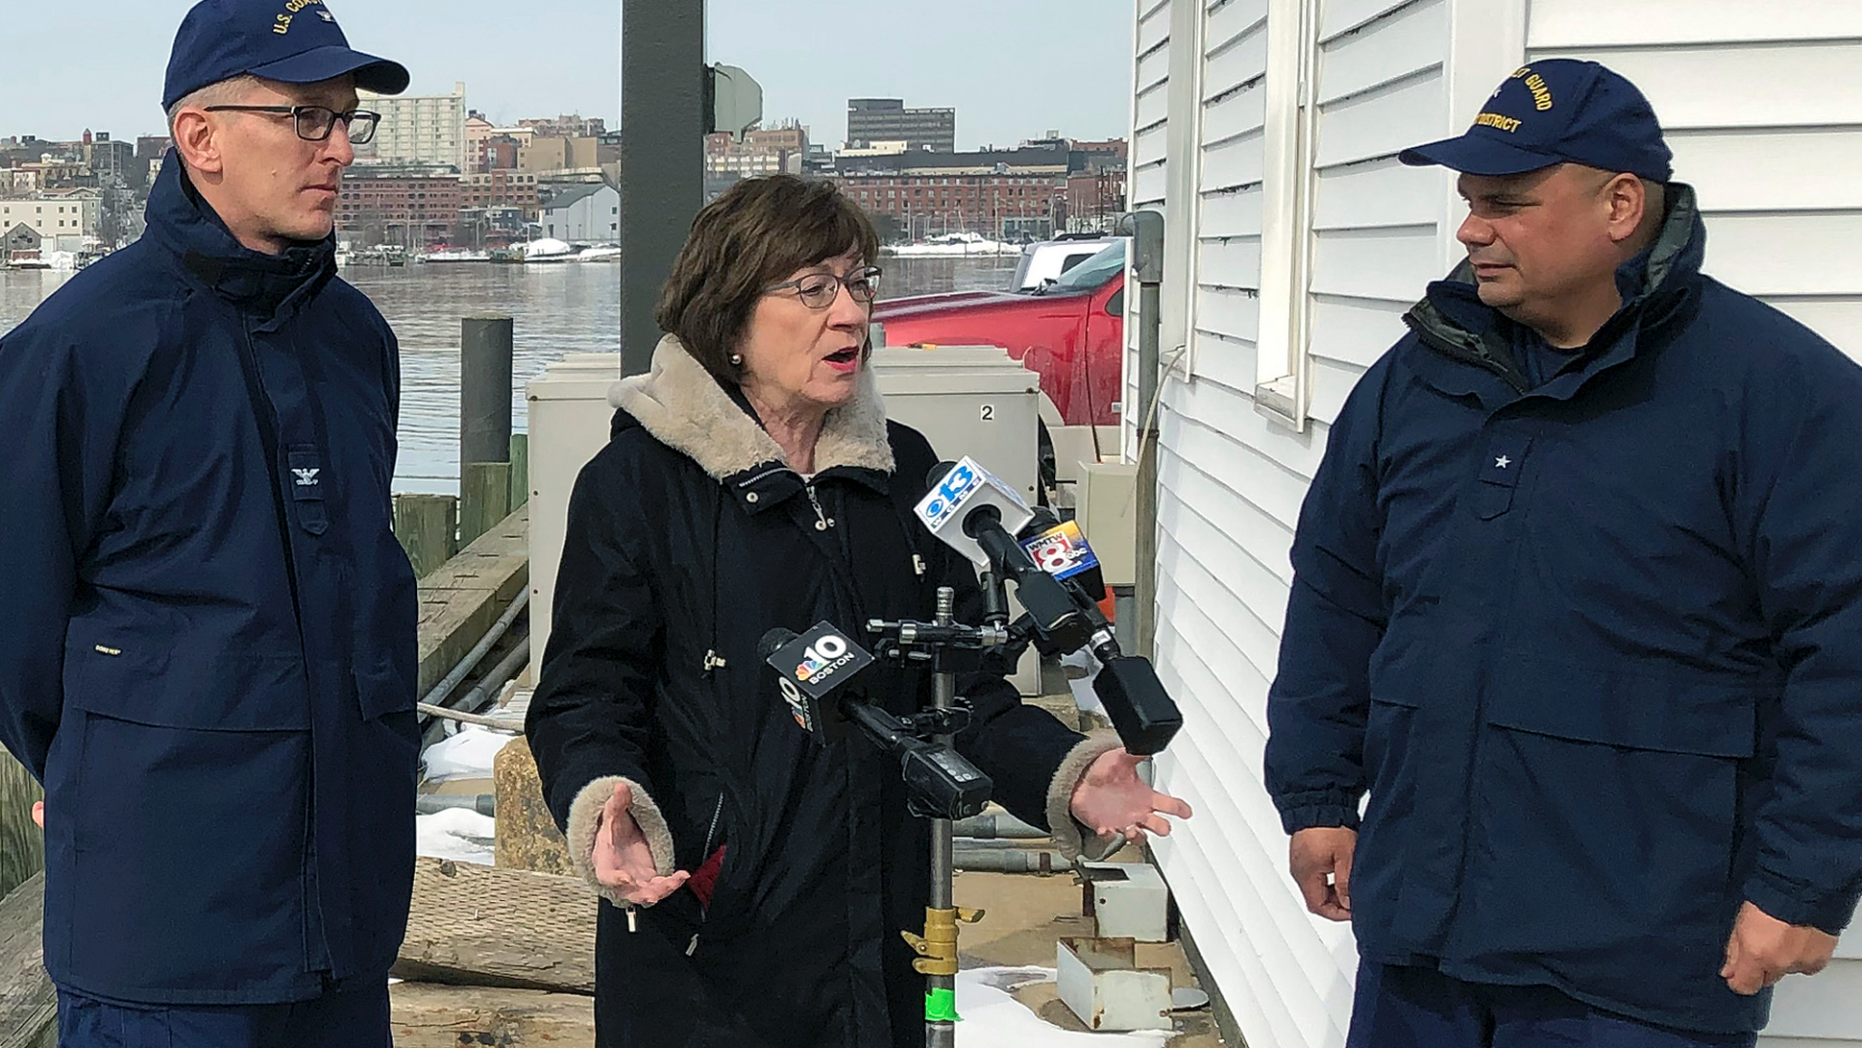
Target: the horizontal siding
pixel 1768 170
pixel 1602 23
pixel 1823 1006
pixel 1376 224
pixel 1758 85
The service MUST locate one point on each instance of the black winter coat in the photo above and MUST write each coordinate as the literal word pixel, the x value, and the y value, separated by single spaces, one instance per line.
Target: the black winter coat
pixel 688 538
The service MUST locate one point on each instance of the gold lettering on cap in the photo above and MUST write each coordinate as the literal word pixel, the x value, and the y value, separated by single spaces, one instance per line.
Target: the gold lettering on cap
pixel 291 8
pixel 1495 120
pixel 1541 94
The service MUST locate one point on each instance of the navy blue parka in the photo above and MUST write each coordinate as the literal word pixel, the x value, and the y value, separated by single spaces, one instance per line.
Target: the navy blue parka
pixel 208 657
pixel 1593 648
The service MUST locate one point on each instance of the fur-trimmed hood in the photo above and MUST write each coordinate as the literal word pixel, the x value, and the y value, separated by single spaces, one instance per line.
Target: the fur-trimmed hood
pixel 687 409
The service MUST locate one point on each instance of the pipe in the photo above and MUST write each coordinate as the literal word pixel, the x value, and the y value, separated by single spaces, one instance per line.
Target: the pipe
pixel 507 667
pixel 1146 228
pixel 993 825
pixel 1006 860
pixel 432 803
pixel 463 718
pixel 479 650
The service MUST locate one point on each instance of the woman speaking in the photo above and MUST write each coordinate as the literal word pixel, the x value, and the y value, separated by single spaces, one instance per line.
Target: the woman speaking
pixel 756 880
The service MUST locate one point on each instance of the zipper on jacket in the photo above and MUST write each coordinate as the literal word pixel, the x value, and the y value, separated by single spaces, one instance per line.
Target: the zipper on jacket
pixel 822 521
pixel 1481 359
pixel 713 660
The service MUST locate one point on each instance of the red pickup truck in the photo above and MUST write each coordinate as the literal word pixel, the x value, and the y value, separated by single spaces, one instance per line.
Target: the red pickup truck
pixel 1071 332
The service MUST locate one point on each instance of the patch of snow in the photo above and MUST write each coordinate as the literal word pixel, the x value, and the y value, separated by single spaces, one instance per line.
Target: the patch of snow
pixel 456 833
pixel 993 1018
pixel 465 755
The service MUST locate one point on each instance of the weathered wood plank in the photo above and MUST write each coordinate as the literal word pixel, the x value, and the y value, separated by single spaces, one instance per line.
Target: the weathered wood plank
pixel 28 1005
pixel 461 600
pixel 483 926
pixel 426 1015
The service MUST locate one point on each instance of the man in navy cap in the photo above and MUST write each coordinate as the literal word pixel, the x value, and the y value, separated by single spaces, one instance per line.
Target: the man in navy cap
pixel 209 659
pixel 1578 605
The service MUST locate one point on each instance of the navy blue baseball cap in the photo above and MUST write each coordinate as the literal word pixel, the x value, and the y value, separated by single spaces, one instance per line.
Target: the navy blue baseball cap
pixel 1556 111
pixel 291 41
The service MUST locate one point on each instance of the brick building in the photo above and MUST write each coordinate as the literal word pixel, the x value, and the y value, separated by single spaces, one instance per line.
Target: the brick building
pixel 413 209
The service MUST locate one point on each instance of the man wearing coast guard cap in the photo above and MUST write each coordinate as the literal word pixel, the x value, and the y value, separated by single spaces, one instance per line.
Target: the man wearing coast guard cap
pixel 210 654
pixel 1578 605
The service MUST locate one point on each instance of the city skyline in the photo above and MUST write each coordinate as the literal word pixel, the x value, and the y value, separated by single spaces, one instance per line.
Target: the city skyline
pixel 890 51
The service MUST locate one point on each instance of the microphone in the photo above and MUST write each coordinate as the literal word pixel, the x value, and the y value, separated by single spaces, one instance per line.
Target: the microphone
pixel 972 512
pixel 813 669
pixel 1061 550
pixel 958 492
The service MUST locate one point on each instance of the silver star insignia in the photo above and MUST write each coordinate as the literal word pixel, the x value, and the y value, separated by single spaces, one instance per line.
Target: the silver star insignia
pixel 1502 462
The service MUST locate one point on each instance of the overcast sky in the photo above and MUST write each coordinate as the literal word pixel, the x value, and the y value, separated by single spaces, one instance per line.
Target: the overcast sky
pixel 1012 68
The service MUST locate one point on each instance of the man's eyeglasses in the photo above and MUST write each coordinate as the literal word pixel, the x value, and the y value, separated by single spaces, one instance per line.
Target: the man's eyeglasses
pixel 314 123
pixel 819 290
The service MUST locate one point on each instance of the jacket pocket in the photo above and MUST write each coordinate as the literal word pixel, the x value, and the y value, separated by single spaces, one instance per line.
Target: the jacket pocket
pixel 1605 810
pixel 171 689
pixel 190 788
pixel 1704 716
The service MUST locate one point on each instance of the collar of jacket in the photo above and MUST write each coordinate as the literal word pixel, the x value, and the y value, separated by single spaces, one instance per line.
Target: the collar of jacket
pixel 1464 336
pixel 687 409
pixel 268 287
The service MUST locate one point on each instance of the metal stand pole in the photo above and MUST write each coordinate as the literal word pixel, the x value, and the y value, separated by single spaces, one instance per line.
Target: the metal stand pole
pixel 940 911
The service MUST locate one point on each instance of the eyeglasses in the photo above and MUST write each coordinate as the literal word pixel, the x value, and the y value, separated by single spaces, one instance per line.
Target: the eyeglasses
pixel 314 123
pixel 819 290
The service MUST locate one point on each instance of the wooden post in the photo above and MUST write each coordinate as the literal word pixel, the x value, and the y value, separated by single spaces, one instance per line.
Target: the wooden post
pixel 520 469
pixel 427 526
pixel 484 498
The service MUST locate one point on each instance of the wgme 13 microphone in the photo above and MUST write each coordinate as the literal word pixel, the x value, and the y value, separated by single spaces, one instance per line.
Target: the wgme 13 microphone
pixel 975 514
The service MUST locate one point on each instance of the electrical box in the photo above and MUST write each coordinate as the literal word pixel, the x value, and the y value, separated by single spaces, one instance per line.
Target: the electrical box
pixel 976 401
pixel 967 400
pixel 1106 508
pixel 1100 981
pixel 1125 900
pixel 569 418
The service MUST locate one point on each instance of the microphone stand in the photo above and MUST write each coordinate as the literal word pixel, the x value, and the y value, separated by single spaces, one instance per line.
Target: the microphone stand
pixel 944 643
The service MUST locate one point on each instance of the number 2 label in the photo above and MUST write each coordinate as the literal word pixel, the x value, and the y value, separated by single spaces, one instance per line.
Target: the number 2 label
pixel 989 412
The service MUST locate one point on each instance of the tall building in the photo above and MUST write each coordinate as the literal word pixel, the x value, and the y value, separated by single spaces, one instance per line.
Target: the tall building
pixel 424 129
pixel 872 120
pixel 573 125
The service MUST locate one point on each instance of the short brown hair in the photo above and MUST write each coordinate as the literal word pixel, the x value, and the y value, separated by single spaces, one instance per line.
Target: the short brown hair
pixel 756 234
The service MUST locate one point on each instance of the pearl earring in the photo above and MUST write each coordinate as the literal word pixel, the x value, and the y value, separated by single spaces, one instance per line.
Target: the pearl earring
pixel 737 359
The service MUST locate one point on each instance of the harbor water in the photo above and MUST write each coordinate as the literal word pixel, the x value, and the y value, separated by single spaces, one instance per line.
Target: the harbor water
pixel 556 309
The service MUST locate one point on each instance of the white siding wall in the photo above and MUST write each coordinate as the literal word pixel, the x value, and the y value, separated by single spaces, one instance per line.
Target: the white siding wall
pixel 1746 90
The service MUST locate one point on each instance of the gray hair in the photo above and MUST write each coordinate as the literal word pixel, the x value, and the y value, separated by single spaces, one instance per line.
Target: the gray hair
pixel 223 92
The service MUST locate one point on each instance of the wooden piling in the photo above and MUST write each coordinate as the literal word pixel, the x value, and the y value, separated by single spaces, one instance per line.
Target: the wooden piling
pixel 428 527
pixel 484 498
pixel 520 469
